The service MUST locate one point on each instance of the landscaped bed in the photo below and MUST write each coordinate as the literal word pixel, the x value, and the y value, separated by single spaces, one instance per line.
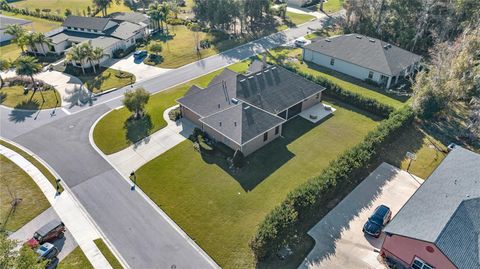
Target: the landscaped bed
pixel 15 97
pixel 107 79
pixel 17 184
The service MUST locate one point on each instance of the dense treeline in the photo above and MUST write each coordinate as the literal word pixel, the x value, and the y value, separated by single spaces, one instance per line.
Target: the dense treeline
pixel 286 223
pixel 412 24
pixel 233 15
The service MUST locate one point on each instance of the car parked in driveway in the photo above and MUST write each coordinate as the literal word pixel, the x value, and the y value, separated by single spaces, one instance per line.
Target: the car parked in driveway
pixel 47 251
pixel 380 217
pixel 140 54
pixel 47 233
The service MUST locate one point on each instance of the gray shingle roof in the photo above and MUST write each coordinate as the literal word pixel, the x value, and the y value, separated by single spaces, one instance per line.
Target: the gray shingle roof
pixel 5 21
pixel 275 89
pixel 103 42
pixel 445 210
pixel 366 52
pixel 93 23
pixel 134 17
pixel 124 30
pixel 242 122
pixel 72 36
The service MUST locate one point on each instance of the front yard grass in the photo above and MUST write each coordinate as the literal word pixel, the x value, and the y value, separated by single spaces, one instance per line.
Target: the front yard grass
pixel 298 18
pixel 16 183
pixel 115 132
pixel 332 6
pixel 9 51
pixel 108 254
pixel 106 79
pixel 15 98
pixel 220 209
pixel 76 6
pixel 75 260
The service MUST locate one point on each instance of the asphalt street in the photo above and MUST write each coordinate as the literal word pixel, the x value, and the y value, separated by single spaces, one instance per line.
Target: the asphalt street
pixel 140 232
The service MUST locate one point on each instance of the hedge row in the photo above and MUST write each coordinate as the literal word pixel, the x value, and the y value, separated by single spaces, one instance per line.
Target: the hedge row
pixel 283 225
pixel 334 90
pixel 34 13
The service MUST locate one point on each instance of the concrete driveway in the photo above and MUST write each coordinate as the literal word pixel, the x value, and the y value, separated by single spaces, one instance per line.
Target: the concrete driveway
pixel 137 67
pixel 339 240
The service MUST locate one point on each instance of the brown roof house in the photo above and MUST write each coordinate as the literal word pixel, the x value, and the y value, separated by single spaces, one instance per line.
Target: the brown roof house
pixel 247 111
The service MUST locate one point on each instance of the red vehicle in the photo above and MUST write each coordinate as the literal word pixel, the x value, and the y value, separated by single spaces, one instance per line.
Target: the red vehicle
pixel 49 232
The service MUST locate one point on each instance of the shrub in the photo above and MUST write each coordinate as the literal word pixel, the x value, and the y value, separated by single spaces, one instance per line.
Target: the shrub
pixel 238 159
pixel 176 21
pixel 282 225
pixel 120 53
pixel 204 146
pixel 371 82
pixel 334 90
pixel 175 114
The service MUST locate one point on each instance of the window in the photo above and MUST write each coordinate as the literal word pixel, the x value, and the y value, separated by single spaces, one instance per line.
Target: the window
pixel 70 28
pixel 318 96
pixel 332 61
pixel 265 136
pixel 75 28
pixel 81 29
pixel 419 264
pixel 370 75
pixel 277 129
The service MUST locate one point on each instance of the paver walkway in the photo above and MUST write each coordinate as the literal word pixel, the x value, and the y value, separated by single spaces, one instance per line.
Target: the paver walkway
pixel 67 209
pixel 133 157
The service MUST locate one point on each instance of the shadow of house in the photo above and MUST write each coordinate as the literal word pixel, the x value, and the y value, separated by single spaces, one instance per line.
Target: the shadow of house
pixel 268 159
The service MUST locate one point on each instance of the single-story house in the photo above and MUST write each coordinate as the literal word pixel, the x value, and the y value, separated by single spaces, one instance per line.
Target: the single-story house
pixel 247 111
pixel 362 57
pixel 439 226
pixel 5 21
pixel 107 33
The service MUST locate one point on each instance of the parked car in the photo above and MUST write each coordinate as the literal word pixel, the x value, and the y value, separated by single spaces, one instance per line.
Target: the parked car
pixel 140 54
pixel 47 251
pixel 300 43
pixel 49 232
pixel 451 146
pixel 380 217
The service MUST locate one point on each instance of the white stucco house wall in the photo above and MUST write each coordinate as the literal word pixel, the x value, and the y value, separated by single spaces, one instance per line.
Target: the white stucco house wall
pixel 5 21
pixel 362 57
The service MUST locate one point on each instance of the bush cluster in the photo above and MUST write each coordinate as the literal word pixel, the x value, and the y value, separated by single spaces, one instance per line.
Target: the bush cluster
pixel 44 14
pixel 334 90
pixel 175 114
pixel 120 53
pixel 284 223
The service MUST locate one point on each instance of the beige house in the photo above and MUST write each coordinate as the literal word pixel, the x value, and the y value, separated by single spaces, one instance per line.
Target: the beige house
pixel 247 111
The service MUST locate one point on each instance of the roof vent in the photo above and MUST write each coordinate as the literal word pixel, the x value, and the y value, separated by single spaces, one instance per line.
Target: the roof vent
pixel 218 105
pixel 250 77
pixel 359 36
pixel 234 100
pixel 328 40
pixel 247 107
pixel 220 123
pixel 273 68
pixel 387 46
pixel 372 40
pixel 235 123
pixel 242 80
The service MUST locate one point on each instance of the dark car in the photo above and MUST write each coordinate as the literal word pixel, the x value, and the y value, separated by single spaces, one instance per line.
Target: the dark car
pixel 49 232
pixel 140 54
pixel 380 217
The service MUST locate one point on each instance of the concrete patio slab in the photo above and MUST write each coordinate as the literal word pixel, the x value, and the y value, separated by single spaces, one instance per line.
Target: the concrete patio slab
pixel 339 240
pixel 317 112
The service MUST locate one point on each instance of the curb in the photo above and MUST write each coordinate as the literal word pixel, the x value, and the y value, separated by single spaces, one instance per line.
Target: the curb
pixel 152 203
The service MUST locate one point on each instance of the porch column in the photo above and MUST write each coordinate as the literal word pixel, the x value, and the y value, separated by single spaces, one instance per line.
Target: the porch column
pixel 388 82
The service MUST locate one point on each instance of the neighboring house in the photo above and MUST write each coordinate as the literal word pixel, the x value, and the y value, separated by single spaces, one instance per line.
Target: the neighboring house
pixel 247 111
pixel 137 18
pixel 439 226
pixel 362 57
pixel 106 33
pixel 5 21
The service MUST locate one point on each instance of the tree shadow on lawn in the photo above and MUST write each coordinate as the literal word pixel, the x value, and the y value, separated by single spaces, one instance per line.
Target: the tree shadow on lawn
pixel 138 129
pixel 355 81
pixel 3 97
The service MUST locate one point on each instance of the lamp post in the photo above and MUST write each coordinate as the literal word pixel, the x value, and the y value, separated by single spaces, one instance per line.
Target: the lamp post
pixel 57 181
pixel 133 178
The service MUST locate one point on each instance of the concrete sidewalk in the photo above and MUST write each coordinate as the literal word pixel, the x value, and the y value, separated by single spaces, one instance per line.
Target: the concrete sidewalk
pixel 133 157
pixel 65 205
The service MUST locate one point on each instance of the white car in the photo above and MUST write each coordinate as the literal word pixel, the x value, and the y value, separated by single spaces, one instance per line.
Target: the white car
pixel 300 43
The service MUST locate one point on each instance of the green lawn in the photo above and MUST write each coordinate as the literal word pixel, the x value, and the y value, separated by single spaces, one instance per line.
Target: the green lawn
pixel 332 6
pixel 108 254
pixel 10 51
pixel 107 80
pixel 16 183
pixel 115 132
pixel 75 260
pixel 347 82
pixel 220 209
pixel 14 97
pixel 298 18
pixel 59 6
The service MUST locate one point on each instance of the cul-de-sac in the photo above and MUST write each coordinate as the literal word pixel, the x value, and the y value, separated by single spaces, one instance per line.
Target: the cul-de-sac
pixel 240 134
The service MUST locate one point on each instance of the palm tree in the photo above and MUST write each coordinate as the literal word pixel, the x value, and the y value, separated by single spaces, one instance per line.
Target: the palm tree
pixel 165 9
pixel 31 40
pixel 96 55
pixel 42 39
pixel 28 66
pixel 4 65
pixel 104 4
pixel 18 32
pixel 155 13
pixel 77 54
